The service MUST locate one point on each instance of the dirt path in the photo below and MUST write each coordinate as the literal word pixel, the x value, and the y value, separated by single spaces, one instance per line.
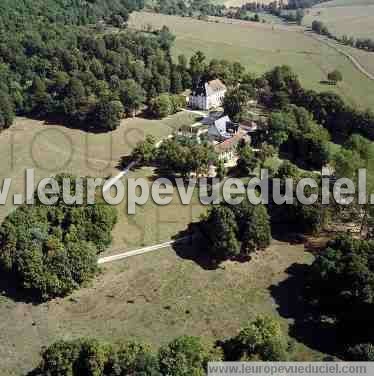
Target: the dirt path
pixel 141 251
pixel 352 59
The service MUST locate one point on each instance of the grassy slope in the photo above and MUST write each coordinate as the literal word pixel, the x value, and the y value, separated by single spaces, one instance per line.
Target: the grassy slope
pixel 342 3
pixel 153 224
pixel 365 58
pixel 351 17
pixel 261 47
pixel 154 298
pixel 54 149
pixel 345 17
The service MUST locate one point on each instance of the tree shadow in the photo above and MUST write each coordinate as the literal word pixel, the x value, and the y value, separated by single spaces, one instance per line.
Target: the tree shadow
pixel 193 247
pixel 326 82
pixel 308 326
pixel 125 161
pixel 71 124
pixel 288 233
pixel 10 288
pixel 162 173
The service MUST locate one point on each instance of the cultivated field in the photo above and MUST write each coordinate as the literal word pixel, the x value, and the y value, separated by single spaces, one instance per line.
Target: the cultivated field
pixel 349 17
pixel 260 47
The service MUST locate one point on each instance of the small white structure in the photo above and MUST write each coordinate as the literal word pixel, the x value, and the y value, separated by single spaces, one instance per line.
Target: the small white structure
pixel 208 95
pixel 222 129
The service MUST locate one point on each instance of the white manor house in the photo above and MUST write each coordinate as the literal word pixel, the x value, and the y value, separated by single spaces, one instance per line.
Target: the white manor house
pixel 208 95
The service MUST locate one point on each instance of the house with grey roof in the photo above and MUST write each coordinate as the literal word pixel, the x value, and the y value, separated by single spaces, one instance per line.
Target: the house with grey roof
pixel 222 129
pixel 208 95
pixel 226 136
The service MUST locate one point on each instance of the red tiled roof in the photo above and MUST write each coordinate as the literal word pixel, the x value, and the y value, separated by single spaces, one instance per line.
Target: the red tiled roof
pixel 229 144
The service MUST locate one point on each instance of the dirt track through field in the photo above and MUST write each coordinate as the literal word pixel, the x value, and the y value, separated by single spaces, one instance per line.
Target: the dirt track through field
pixel 352 59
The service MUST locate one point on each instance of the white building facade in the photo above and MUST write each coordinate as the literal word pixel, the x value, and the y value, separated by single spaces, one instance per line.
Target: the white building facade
pixel 208 95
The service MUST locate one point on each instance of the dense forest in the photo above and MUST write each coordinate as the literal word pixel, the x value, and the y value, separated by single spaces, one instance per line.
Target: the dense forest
pixel 15 14
pixel 51 66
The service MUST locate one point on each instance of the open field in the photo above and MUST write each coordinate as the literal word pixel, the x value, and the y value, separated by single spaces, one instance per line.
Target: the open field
pixel 352 18
pixel 365 58
pixel 345 3
pixel 238 3
pixel 52 149
pixel 153 224
pixel 152 297
pixel 159 296
pixel 260 47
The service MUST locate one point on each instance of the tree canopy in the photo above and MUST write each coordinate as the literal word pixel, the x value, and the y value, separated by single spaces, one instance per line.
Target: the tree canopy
pixel 295 132
pixel 262 339
pixel 235 231
pixel 340 283
pixel 52 250
pixel 53 62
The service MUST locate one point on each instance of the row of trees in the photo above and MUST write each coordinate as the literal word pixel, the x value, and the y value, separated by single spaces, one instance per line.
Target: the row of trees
pixel 293 16
pixel 52 250
pixel 262 340
pixel 187 8
pixel 297 4
pixel 366 44
pixel 361 43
